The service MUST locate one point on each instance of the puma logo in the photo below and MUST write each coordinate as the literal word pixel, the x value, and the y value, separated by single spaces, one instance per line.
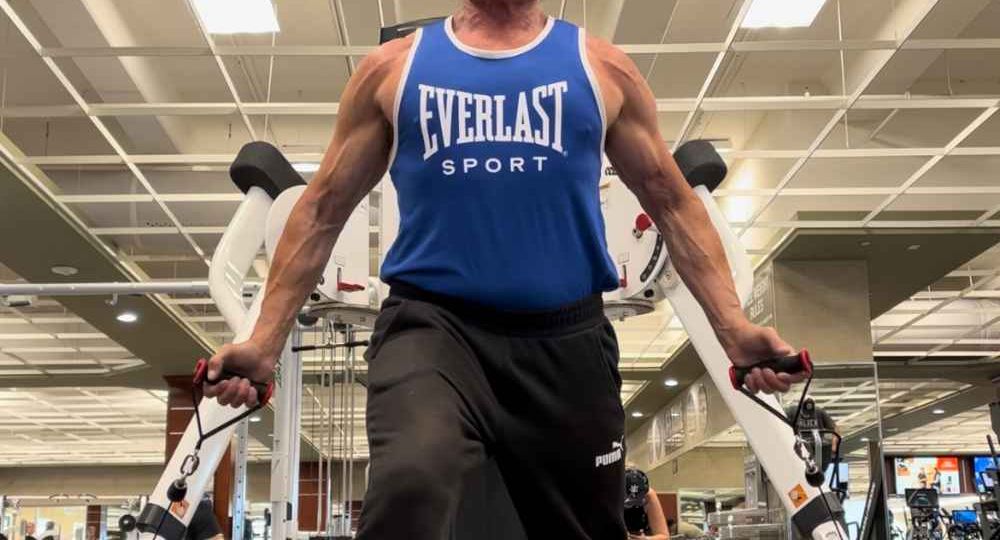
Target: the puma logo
pixel 614 456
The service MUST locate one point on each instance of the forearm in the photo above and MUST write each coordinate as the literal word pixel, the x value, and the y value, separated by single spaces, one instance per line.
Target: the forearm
pixel 299 261
pixel 699 258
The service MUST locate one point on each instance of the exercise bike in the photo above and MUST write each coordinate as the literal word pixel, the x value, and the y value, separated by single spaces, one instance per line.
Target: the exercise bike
pixel 925 514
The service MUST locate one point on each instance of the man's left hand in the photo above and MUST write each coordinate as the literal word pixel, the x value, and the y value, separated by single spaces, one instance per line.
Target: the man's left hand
pixel 750 344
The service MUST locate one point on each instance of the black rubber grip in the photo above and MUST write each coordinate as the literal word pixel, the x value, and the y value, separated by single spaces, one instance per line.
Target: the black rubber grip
pixel 261 388
pixel 787 364
pixel 264 390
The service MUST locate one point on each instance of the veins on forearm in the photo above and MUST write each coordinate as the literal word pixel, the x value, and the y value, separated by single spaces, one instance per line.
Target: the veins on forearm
pixel 700 259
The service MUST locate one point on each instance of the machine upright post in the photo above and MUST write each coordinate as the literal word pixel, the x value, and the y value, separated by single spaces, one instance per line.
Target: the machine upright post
pixel 349 480
pixel 285 456
pixel 331 397
pixel 239 505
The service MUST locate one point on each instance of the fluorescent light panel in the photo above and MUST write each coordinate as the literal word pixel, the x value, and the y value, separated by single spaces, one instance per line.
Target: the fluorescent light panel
pixel 306 167
pixel 237 16
pixel 782 13
pixel 127 317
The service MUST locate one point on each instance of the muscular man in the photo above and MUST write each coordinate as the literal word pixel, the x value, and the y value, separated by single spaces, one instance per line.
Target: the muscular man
pixel 493 341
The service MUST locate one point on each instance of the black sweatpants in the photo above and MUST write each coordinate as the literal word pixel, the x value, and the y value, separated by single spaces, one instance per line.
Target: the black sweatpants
pixel 451 383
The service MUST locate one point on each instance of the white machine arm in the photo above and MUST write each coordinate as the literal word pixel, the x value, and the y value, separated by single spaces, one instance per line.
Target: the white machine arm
pixel 262 173
pixel 635 244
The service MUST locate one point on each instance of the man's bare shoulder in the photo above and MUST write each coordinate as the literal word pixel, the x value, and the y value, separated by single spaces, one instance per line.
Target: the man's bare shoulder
pixel 611 62
pixel 388 57
pixel 379 73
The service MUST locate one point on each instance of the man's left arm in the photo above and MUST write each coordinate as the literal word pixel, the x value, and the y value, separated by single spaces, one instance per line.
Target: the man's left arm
pixel 639 154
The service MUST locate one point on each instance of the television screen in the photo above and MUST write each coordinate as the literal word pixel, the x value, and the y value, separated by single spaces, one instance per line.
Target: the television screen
pixel 940 473
pixel 922 498
pixel 963 517
pixel 979 465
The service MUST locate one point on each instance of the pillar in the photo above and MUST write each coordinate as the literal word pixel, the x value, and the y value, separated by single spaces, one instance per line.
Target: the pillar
pixel 818 305
pixel 312 497
pixel 97 523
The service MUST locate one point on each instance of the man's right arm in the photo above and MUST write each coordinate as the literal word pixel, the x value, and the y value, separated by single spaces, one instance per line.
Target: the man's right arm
pixel 354 163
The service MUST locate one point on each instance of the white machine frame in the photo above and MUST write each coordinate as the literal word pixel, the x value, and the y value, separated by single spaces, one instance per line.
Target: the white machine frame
pixel 640 255
pixel 231 263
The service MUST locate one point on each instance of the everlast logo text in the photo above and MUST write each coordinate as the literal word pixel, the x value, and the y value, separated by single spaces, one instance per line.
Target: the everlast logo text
pixel 451 117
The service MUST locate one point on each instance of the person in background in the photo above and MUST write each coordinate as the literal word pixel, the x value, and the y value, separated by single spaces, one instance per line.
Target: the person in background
pixel 29 530
pixel 50 531
pixel 644 517
pixel 203 524
pixel 815 418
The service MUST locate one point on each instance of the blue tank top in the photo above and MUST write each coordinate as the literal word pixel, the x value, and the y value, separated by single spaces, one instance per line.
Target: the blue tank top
pixel 497 162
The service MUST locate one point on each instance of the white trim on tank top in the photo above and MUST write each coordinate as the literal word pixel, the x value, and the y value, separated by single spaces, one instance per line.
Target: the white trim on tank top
pixel 403 77
pixel 594 83
pixel 498 54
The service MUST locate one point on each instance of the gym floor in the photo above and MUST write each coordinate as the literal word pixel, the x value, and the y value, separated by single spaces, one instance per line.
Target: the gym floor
pixel 855 131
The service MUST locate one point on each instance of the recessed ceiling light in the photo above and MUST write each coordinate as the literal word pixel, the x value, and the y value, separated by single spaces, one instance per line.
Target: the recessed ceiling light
pixel 782 13
pixel 636 414
pixel 865 243
pixel 127 317
pixel 675 414
pixel 65 270
pixel 865 439
pixel 255 419
pixel 671 382
pixel 237 16
pixel 938 411
pixel 306 167
pixel 913 247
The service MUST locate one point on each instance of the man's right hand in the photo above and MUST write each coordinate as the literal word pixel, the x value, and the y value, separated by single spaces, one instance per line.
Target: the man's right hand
pixel 247 358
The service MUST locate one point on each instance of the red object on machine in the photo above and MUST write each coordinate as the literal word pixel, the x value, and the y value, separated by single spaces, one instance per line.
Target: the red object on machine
pixel 344 286
pixel 642 224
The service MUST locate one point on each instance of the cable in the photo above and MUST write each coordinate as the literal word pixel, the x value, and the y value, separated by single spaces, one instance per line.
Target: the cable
pixel 792 424
pixel 802 401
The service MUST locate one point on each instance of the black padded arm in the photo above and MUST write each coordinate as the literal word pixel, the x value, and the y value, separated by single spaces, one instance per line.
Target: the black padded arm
pixel 262 165
pixel 701 164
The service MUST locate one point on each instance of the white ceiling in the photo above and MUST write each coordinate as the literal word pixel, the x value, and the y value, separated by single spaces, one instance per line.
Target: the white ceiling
pixel 86 426
pixel 851 404
pixel 897 117
pixel 46 339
